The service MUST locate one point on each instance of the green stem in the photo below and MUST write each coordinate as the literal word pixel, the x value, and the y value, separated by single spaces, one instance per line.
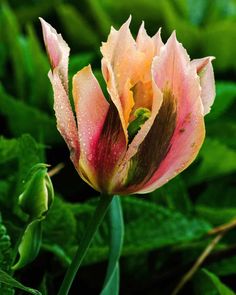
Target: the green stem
pixel 86 240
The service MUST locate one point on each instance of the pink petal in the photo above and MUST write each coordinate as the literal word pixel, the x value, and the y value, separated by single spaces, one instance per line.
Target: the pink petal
pixel 91 110
pixel 174 72
pixel 99 153
pixel 157 42
pixel 205 71
pixel 121 52
pixel 58 52
pixel 143 90
pixel 124 102
pixel 122 67
pixel 146 45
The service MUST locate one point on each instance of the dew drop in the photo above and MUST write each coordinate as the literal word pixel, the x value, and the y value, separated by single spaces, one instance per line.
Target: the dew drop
pixel 89 157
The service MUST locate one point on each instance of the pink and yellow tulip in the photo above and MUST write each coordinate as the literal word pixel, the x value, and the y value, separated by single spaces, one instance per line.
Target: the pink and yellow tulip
pixel 151 126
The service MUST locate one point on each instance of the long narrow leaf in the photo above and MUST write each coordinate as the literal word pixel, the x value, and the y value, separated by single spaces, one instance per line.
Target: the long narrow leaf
pixel 111 284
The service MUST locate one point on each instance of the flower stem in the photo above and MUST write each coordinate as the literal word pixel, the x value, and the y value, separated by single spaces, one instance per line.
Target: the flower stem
pixel 86 240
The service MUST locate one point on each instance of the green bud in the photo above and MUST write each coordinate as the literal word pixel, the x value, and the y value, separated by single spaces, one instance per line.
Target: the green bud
pixel 38 195
pixel 36 200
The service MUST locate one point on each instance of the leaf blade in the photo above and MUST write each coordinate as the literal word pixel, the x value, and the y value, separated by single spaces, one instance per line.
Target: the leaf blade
pixel 111 284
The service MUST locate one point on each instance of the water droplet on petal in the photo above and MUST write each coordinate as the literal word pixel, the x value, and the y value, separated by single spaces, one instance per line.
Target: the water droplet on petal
pixel 90 157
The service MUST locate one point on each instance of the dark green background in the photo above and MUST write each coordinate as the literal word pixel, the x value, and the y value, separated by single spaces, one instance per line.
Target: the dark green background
pixel 166 230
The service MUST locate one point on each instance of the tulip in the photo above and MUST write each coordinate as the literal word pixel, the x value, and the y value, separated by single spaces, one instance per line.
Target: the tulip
pixel 148 129
pixel 150 126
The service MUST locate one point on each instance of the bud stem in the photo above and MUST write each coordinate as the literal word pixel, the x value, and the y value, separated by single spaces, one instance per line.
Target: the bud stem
pixel 86 240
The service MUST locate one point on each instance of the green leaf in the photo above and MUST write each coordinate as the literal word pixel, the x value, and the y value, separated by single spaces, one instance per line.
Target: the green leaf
pixel 8 280
pixel 173 195
pixel 29 154
pixel 3 59
pixel 39 84
pixel 5 247
pixel 116 226
pixel 212 206
pixel 41 126
pixel 187 33
pixel 216 159
pixel 150 226
pixel 8 149
pixel 71 19
pixel 60 222
pixel 225 96
pixel 207 283
pixel 224 267
pixel 17 156
pixel 147 227
pixel 5 186
pixel 11 36
pixel 5 257
pixel 24 148
pixel 197 10
pixel 113 286
pixel 219 10
pixel 223 129
pixel 222 31
pixel 101 18
pixel 215 216
pixel 30 244
pixel 31 10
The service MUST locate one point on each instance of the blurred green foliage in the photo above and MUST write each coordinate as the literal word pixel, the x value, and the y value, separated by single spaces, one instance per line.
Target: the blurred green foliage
pixel 166 230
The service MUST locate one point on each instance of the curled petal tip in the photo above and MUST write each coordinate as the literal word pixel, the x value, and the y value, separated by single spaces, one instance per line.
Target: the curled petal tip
pixel 211 58
pixel 204 69
pixel 49 41
pixel 55 45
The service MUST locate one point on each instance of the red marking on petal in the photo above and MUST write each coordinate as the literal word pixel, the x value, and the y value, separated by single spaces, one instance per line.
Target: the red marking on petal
pixel 101 135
